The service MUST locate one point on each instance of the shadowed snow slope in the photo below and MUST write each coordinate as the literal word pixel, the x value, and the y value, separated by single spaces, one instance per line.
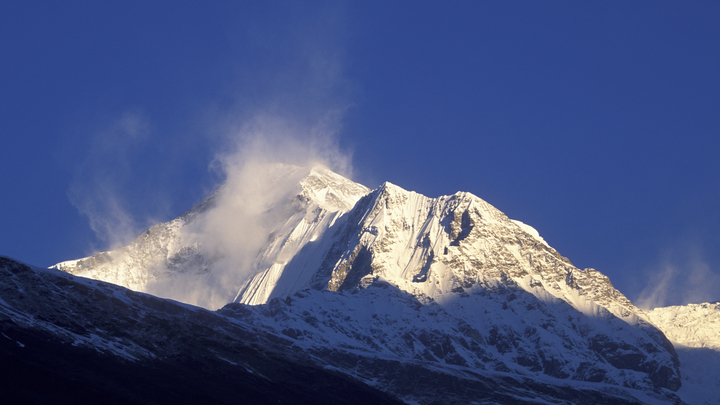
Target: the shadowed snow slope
pixel 72 340
pixel 68 339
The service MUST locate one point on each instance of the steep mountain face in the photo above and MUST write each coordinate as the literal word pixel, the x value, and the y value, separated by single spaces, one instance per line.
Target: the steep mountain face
pixel 694 330
pixel 324 198
pixel 186 259
pixel 399 290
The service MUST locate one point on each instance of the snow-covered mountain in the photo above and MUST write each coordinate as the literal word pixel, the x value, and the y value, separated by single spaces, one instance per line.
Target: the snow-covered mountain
pixel 402 291
pixel 694 330
pixel 455 282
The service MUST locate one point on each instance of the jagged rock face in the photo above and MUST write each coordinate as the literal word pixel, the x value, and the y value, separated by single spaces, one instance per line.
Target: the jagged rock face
pixel 474 288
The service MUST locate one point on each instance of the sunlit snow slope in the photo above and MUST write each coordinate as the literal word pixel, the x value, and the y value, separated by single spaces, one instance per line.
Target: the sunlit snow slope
pixel 694 330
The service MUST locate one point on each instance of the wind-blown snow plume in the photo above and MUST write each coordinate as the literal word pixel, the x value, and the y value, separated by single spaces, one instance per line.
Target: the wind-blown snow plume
pixel 685 278
pixel 287 114
pixel 284 109
pixel 262 173
pixel 102 175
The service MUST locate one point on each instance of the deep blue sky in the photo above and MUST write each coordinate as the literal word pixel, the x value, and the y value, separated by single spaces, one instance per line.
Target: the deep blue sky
pixel 598 123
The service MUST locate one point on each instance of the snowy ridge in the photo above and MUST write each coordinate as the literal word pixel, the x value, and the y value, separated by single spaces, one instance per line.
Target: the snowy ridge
pixel 68 339
pixel 135 347
pixel 73 334
pixel 360 332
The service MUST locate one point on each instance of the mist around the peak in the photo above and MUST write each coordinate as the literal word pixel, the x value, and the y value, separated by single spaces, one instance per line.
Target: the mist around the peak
pixel 262 174
pixel 268 141
pixel 682 276
pixel 280 114
pixel 103 175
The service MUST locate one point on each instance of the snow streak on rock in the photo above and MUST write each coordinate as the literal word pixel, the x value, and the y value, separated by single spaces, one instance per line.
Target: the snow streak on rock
pixel 324 198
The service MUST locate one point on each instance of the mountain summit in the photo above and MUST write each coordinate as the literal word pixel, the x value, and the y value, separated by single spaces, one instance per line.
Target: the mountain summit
pixel 387 285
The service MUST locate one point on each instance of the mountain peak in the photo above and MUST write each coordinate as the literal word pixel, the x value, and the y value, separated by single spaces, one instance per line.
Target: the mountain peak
pixel 331 190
